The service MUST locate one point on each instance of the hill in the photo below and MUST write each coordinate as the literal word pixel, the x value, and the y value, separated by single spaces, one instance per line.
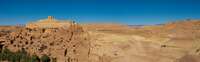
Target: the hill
pixel 170 42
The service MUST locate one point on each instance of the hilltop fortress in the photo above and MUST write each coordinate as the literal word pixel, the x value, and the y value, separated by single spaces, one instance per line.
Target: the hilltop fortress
pixel 50 22
pixel 62 41
pixel 171 42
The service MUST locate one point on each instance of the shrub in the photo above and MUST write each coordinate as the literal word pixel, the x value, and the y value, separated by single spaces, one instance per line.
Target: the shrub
pixel 21 56
pixel 35 58
pixel 45 58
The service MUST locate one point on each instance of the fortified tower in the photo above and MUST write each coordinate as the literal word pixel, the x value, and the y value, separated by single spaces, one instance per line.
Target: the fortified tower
pixel 50 22
pixel 50 18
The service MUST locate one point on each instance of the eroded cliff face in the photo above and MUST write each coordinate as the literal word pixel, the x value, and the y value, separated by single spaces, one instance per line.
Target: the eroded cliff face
pixel 64 45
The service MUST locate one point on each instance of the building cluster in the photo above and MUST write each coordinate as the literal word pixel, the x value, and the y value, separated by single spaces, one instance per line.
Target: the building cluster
pixel 50 22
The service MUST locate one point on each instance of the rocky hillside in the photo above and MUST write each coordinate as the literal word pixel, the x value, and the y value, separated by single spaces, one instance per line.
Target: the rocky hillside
pixel 170 42
pixel 64 45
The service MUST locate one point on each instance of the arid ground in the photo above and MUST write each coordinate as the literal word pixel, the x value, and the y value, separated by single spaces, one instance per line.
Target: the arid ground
pixel 170 42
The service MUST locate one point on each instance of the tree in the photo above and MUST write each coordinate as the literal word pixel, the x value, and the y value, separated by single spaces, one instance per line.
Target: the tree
pixel 45 58
pixel 35 58
pixel 21 56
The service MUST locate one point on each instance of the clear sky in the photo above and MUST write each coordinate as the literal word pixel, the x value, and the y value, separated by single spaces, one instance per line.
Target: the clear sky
pixel 87 11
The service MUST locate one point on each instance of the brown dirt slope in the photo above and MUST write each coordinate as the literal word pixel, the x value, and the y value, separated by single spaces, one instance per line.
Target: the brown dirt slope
pixel 172 42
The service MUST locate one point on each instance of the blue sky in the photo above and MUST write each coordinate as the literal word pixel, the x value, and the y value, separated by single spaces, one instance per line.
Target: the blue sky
pixel 94 11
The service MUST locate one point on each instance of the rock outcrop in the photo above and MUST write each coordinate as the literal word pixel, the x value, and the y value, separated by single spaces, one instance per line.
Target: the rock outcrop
pixel 64 45
pixel 172 42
